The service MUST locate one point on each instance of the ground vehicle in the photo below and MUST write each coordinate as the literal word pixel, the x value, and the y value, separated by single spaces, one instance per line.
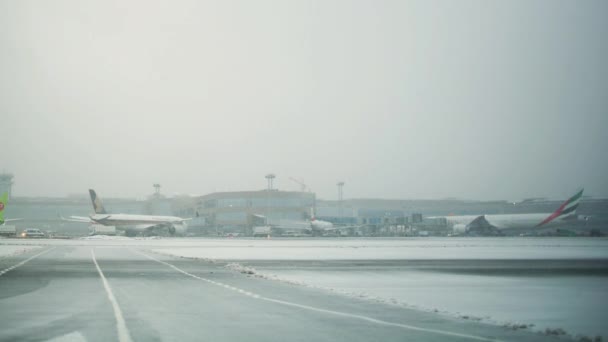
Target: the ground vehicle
pixel 8 230
pixel 32 233
pixel 100 229
pixel 262 231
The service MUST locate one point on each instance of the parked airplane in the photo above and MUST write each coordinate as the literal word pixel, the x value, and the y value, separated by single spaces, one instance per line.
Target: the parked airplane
pixel 3 204
pixel 131 224
pixel 474 223
pixel 312 226
pixel 320 225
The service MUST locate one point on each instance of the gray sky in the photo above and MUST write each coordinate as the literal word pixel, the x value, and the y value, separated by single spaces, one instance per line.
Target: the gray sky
pixel 400 99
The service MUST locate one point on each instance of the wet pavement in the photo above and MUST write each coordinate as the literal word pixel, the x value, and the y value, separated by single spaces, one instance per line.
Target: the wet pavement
pixel 108 292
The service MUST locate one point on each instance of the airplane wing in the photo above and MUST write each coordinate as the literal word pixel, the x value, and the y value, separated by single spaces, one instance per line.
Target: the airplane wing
pixel 152 226
pixel 82 219
pixel 347 227
pixel 329 229
pixel 171 228
pixel 288 227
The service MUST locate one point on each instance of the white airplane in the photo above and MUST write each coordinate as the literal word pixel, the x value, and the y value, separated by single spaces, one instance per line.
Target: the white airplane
pixel 131 224
pixel 3 204
pixel 321 225
pixel 469 223
pixel 312 226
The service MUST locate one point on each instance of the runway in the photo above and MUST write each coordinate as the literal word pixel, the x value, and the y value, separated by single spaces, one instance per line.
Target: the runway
pixel 129 293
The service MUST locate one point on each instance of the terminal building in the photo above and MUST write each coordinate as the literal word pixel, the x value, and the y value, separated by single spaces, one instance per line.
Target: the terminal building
pixel 240 211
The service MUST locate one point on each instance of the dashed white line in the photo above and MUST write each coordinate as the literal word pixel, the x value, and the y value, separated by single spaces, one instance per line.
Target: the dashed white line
pixel 121 325
pixel 24 261
pixel 331 312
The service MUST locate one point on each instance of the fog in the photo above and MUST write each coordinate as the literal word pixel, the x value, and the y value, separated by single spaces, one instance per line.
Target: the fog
pixel 399 99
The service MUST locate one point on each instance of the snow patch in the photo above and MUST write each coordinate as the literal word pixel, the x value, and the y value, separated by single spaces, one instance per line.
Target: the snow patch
pixel 6 250
pixel 106 238
pixel 362 295
pixel 118 238
pixel 240 268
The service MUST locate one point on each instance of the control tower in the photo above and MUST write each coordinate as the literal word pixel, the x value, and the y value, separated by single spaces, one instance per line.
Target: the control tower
pixel 6 183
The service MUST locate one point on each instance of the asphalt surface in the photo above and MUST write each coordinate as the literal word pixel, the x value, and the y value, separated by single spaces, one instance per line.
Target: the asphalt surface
pixel 107 293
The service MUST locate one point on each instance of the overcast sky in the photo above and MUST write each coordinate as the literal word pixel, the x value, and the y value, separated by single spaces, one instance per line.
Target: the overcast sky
pixel 399 99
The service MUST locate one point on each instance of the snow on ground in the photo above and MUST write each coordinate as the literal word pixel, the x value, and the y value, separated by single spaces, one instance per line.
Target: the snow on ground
pixel 6 250
pixel 351 249
pixel 574 303
pixel 118 238
pixel 106 238
pixel 393 249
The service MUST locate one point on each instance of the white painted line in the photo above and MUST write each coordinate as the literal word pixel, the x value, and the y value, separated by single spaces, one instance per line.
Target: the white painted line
pixel 331 312
pixel 121 325
pixel 24 261
pixel 71 337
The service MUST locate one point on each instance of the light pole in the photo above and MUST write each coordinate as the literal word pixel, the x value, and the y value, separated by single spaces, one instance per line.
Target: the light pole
pixel 270 178
pixel 340 198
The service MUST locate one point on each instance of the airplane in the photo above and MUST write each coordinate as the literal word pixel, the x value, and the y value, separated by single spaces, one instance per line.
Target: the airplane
pixel 3 204
pixel 131 224
pixel 565 213
pixel 312 226
pixel 321 225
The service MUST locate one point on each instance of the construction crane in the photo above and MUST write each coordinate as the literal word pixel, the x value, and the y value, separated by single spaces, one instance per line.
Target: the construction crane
pixel 303 186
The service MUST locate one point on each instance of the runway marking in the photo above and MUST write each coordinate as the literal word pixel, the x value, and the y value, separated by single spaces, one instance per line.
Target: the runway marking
pixel 6 270
pixel 121 325
pixel 71 337
pixel 326 311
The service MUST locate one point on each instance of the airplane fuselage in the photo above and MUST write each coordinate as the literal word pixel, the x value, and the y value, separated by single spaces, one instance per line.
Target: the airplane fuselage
pixel 133 224
pixel 506 221
pixel 130 220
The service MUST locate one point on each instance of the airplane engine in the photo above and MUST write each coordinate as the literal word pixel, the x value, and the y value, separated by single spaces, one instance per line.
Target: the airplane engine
pixel 459 228
pixel 178 228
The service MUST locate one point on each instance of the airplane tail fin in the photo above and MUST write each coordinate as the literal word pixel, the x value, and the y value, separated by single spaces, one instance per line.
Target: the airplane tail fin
pixel 3 202
pixel 567 208
pixel 97 205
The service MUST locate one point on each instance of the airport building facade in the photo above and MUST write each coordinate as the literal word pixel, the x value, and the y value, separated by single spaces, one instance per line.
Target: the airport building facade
pixel 240 211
